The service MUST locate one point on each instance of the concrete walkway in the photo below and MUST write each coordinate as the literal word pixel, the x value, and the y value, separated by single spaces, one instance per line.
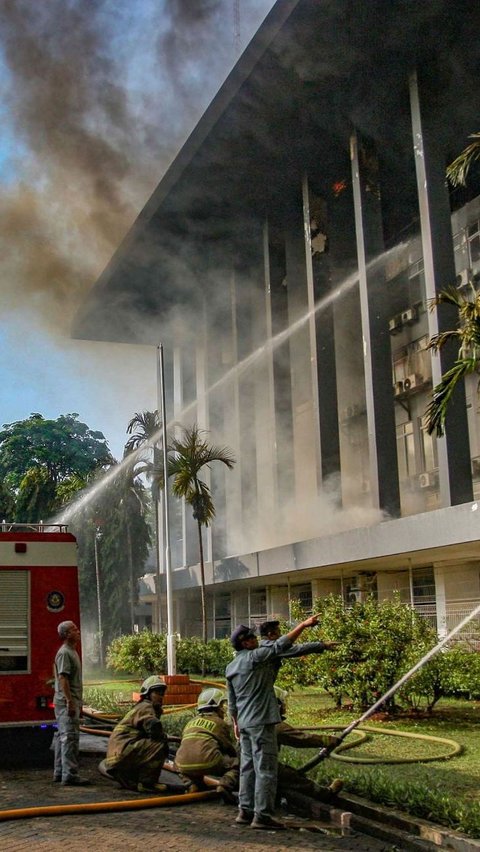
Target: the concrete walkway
pixel 206 825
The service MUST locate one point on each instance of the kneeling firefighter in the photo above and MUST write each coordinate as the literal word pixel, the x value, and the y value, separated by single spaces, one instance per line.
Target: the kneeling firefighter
pixel 290 780
pixel 137 747
pixel 207 747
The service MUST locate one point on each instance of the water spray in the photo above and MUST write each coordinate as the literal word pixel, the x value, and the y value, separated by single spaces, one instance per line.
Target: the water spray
pixel 324 752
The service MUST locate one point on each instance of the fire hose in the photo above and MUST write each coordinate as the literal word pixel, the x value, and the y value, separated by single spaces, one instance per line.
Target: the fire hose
pixel 327 750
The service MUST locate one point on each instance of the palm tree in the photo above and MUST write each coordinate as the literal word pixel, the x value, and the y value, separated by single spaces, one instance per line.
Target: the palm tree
pixel 145 429
pixel 191 454
pixel 458 170
pixel 467 336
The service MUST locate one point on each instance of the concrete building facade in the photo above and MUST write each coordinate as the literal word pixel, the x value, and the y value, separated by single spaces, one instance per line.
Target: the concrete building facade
pixel 287 261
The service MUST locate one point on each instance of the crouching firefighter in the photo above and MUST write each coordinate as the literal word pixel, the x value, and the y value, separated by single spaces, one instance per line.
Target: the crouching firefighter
pixel 137 747
pixel 207 747
pixel 290 780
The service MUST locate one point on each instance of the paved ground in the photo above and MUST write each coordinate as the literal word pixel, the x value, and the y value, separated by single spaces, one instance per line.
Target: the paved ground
pixel 206 825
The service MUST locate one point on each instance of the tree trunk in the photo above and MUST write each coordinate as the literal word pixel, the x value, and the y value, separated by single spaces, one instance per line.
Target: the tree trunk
pixel 132 579
pixel 202 589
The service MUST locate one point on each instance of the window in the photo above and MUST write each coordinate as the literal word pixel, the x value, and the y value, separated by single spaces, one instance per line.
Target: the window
pixel 473 232
pixel 428 446
pixel 303 594
pixel 406 451
pixel 416 282
pixel 14 621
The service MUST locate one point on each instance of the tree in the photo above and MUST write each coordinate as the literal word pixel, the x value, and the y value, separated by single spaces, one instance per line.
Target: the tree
pixel 191 454
pixel 145 431
pixel 7 501
pixel 458 170
pixel 38 455
pixel 467 335
pixel 115 516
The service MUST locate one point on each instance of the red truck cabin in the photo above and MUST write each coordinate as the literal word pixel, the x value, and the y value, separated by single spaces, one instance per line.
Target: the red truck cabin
pixel 38 590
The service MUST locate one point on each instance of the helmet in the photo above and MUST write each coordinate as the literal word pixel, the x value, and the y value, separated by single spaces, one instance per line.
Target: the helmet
pixel 152 682
pixel 281 697
pixel 211 699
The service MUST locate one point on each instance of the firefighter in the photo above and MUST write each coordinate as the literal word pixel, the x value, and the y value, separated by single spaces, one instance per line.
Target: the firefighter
pixel 207 747
pixel 68 706
pixel 290 779
pixel 254 710
pixel 137 747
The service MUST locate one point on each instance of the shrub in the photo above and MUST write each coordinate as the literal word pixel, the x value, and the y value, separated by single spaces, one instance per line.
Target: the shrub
pixel 146 652
pixel 376 642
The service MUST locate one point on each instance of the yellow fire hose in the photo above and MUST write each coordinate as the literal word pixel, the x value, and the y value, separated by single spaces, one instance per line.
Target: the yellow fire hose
pixel 101 807
pixel 454 748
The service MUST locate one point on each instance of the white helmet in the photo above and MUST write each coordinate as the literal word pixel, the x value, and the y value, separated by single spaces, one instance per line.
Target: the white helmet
pixel 211 699
pixel 281 696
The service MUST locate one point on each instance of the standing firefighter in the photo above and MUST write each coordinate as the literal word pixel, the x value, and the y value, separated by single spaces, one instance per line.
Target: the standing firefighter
pixel 137 747
pixel 254 709
pixel 207 747
pixel 68 704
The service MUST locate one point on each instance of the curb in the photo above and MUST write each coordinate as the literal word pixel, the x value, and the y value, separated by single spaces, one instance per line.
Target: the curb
pixel 404 831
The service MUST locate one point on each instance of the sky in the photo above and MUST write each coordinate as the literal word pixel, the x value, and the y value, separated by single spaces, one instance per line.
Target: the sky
pixel 97 97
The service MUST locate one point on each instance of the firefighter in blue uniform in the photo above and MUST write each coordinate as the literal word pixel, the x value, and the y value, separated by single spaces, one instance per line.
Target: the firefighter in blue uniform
pixel 254 710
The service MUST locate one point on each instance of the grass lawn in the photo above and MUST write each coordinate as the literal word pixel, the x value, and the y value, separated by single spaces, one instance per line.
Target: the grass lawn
pixel 444 791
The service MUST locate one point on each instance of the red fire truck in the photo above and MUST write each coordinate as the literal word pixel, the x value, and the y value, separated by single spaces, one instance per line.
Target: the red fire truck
pixel 38 590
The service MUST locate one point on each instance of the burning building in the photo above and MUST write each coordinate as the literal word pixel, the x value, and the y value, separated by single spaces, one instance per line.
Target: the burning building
pixel 287 260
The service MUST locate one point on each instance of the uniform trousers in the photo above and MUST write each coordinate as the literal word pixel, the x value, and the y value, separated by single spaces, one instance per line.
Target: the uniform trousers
pixel 66 742
pixel 258 769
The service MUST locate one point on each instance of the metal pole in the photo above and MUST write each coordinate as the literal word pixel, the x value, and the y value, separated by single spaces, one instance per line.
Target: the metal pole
pixel 99 605
pixel 171 662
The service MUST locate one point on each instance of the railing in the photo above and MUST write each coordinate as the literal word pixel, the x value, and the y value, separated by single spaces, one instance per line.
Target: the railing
pixel 41 528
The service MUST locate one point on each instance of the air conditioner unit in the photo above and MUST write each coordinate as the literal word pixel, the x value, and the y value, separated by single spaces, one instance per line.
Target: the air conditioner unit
pixel 398 388
pixel 464 278
pixel 409 316
pixel 411 382
pixel 428 480
pixel 395 324
pixel 354 596
pixel 476 467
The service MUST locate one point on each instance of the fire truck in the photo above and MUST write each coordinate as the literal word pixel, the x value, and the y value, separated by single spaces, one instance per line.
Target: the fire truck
pixel 38 590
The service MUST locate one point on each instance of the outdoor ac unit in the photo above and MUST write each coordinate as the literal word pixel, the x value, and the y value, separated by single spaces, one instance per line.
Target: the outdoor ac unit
pixel 398 388
pixel 476 467
pixel 411 382
pixel 409 316
pixel 427 480
pixel 464 278
pixel 354 596
pixel 395 324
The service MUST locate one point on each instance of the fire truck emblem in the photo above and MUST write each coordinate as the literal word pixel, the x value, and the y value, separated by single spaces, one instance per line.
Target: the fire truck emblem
pixel 55 601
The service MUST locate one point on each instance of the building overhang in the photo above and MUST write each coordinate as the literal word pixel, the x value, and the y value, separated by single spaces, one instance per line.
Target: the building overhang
pixel 312 73
pixel 442 537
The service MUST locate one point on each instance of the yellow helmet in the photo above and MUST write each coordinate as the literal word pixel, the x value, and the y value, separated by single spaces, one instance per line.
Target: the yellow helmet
pixel 152 682
pixel 211 699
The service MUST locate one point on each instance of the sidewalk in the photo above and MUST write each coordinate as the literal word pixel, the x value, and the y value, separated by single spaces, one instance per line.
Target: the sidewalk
pixel 205 825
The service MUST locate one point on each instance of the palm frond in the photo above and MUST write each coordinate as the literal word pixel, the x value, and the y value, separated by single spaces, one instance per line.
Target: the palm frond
pixel 437 409
pixel 458 170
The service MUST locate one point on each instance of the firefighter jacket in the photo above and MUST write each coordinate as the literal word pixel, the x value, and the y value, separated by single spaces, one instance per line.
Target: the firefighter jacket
pixel 205 740
pixel 140 723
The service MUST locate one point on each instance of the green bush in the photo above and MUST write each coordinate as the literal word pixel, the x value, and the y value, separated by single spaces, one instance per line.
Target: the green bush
pixel 138 653
pixel 146 653
pixel 376 644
